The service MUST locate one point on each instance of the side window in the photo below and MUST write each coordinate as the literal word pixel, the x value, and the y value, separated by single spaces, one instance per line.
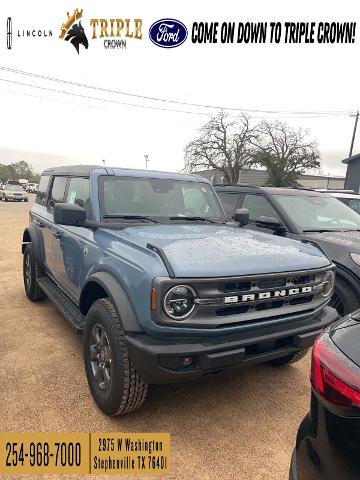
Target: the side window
pixel 57 191
pixel 41 193
pixel 229 202
pixel 79 193
pixel 354 204
pixel 258 206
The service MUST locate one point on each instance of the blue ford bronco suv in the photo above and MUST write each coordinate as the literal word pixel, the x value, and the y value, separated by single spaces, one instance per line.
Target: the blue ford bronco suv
pixel 162 288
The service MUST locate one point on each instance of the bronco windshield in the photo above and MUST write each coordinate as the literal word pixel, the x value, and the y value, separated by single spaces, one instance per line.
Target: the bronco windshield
pixel 160 198
pixel 319 213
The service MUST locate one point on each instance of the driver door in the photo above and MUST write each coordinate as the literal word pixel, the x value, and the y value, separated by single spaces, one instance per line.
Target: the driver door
pixel 258 206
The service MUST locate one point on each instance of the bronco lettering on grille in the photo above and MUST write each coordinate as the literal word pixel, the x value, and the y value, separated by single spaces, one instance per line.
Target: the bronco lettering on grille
pixel 252 297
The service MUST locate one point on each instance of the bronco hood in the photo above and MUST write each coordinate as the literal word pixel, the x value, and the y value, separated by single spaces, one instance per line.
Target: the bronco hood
pixel 221 251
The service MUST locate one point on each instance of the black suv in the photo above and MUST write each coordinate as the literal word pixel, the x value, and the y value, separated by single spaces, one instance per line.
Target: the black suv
pixel 305 215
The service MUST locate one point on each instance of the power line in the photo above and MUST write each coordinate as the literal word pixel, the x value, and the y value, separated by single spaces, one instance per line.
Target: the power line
pixel 177 102
pixel 106 100
pixel 50 99
pixel 88 97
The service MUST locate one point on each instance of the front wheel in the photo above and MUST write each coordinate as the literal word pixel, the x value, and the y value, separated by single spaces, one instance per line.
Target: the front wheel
pixel 113 380
pixel 289 359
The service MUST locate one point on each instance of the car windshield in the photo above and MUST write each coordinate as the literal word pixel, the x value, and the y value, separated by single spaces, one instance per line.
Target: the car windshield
pixel 160 198
pixel 319 213
pixel 15 188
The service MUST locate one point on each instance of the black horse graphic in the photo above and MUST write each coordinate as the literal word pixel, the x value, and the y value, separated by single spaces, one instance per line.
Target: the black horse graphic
pixel 76 35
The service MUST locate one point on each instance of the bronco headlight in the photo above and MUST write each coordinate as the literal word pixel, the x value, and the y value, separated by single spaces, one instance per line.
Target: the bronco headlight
pixel 327 283
pixel 179 302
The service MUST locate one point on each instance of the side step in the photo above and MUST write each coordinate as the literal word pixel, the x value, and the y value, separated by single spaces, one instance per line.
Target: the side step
pixel 62 303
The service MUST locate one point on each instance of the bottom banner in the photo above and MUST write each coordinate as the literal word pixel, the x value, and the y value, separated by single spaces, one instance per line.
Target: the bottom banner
pixel 84 453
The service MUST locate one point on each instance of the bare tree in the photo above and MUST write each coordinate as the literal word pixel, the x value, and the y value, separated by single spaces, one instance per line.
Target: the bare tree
pixel 286 153
pixel 224 144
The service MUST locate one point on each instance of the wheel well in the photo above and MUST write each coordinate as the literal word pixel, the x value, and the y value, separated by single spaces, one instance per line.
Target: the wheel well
pixel 26 239
pixel 92 292
pixel 348 277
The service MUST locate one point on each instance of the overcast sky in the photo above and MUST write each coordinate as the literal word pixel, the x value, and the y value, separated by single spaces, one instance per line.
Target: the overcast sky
pixel 60 129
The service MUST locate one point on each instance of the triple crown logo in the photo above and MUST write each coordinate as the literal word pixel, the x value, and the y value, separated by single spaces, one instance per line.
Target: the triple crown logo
pixel 73 30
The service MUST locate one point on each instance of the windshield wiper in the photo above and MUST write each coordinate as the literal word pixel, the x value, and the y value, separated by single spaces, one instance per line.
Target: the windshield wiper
pixel 132 217
pixel 202 219
pixel 332 230
pixel 320 230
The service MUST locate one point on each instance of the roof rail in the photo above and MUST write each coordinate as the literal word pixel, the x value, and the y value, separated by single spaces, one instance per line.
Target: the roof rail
pixel 235 185
pixel 301 188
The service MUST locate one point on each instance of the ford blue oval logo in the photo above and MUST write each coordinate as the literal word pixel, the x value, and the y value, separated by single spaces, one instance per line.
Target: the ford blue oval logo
pixel 168 33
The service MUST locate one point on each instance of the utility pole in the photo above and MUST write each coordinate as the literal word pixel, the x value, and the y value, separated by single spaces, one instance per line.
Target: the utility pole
pixel 354 133
pixel 103 161
pixel 351 146
pixel 146 161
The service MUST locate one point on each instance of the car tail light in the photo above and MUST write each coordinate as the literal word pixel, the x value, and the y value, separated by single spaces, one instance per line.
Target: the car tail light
pixel 334 377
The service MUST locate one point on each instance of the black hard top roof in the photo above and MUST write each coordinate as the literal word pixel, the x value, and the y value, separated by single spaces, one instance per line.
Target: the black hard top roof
pixel 71 170
pixel 85 170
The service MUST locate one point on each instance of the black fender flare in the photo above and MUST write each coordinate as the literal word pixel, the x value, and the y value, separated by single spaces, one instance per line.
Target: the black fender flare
pixel 32 236
pixel 119 298
pixel 348 276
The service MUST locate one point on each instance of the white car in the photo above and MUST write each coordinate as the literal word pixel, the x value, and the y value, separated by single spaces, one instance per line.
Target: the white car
pixel 32 188
pixel 13 192
pixel 352 200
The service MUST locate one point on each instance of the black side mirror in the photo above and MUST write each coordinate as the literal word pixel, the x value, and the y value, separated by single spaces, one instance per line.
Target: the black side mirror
pixel 242 216
pixel 272 223
pixel 69 214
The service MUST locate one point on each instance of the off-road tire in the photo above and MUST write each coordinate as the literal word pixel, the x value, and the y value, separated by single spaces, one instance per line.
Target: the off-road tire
pixel 344 299
pixel 127 391
pixel 32 289
pixel 289 359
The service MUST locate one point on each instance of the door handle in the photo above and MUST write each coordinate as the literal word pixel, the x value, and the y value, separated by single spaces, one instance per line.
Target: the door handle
pixel 57 234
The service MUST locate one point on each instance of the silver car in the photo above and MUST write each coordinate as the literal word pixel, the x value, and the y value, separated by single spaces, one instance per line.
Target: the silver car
pixel 13 192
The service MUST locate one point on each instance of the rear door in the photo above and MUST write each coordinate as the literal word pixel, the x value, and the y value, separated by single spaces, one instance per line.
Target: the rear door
pixel 51 231
pixel 69 243
pixel 42 220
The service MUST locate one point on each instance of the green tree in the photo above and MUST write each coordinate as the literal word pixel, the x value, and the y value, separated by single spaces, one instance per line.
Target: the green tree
pixel 17 170
pixel 6 172
pixel 23 169
pixel 286 153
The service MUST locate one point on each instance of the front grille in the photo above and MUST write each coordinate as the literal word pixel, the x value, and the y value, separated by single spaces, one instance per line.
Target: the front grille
pixel 261 294
pixel 240 286
pixel 255 298
pixel 273 283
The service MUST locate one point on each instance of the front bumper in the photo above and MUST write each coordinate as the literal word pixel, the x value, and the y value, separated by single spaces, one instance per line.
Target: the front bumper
pixel 19 198
pixel 162 361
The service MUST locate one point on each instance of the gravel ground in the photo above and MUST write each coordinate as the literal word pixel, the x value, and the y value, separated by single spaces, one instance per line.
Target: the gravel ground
pixel 238 426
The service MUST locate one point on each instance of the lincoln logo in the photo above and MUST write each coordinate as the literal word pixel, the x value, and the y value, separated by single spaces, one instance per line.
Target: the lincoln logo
pixel 252 297
pixel 9 33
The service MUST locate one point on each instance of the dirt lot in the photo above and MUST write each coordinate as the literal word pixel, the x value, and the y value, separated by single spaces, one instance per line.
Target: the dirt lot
pixel 239 426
